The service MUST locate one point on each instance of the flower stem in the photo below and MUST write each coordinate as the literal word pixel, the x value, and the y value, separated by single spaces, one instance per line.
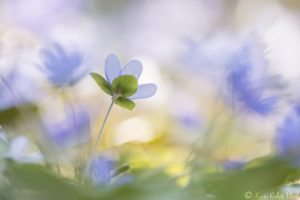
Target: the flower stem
pixel 94 150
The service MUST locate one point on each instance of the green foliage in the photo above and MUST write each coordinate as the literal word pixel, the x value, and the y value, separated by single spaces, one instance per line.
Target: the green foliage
pixel 102 83
pixel 125 85
pixel 36 182
pixel 121 170
pixel 125 103
pixel 266 176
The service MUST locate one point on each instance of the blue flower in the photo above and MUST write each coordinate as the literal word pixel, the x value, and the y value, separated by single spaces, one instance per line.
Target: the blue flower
pixel 103 172
pixel 62 67
pixel 243 64
pixel 249 84
pixel 71 131
pixel 288 138
pixel 113 70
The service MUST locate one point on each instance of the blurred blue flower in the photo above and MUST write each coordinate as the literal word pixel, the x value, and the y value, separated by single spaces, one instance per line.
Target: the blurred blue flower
pixel 62 67
pixel 134 68
pixel 16 90
pixel 249 85
pixel 72 130
pixel 210 55
pixel 243 64
pixel 103 172
pixel 288 138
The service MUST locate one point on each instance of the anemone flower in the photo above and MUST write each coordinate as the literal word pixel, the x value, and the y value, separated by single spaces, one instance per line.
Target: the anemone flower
pixel 249 84
pixel 104 171
pixel 121 83
pixel 62 67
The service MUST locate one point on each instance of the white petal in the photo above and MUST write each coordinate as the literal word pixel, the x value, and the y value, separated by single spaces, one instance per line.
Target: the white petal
pixel 18 146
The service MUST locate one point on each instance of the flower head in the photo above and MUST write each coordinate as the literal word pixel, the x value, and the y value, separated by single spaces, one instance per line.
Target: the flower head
pixel 249 84
pixel 103 171
pixel 122 83
pixel 62 67
pixel 288 137
pixel 243 64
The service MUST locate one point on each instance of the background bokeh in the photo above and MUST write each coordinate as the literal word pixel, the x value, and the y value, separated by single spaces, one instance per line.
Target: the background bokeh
pixel 187 49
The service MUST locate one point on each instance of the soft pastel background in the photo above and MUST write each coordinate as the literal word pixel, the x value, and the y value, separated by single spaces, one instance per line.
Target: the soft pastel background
pixel 187 49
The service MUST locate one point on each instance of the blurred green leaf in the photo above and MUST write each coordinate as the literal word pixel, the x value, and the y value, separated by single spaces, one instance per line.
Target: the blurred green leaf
pixel 267 176
pixel 102 83
pixel 125 85
pixel 10 115
pixel 121 170
pixel 125 103
pixel 35 182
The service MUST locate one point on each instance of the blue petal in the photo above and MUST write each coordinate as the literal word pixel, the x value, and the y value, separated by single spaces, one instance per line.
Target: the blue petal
pixel 112 67
pixel 62 66
pixel 145 91
pixel 102 170
pixel 133 68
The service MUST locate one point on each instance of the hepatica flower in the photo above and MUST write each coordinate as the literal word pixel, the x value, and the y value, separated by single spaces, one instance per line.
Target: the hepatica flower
pixel 62 67
pixel 249 84
pixel 243 64
pixel 122 83
pixel 104 171
pixel 288 138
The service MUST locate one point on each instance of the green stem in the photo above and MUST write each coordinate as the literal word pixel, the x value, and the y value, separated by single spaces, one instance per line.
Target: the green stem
pixel 94 150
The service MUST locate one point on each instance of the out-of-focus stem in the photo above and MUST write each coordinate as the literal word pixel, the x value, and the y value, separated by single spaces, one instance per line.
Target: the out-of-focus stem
pixel 94 150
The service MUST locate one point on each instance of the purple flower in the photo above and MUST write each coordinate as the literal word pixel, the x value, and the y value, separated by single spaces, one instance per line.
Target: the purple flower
pixel 102 170
pixel 243 64
pixel 134 68
pixel 62 67
pixel 249 84
pixel 72 130
pixel 288 137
